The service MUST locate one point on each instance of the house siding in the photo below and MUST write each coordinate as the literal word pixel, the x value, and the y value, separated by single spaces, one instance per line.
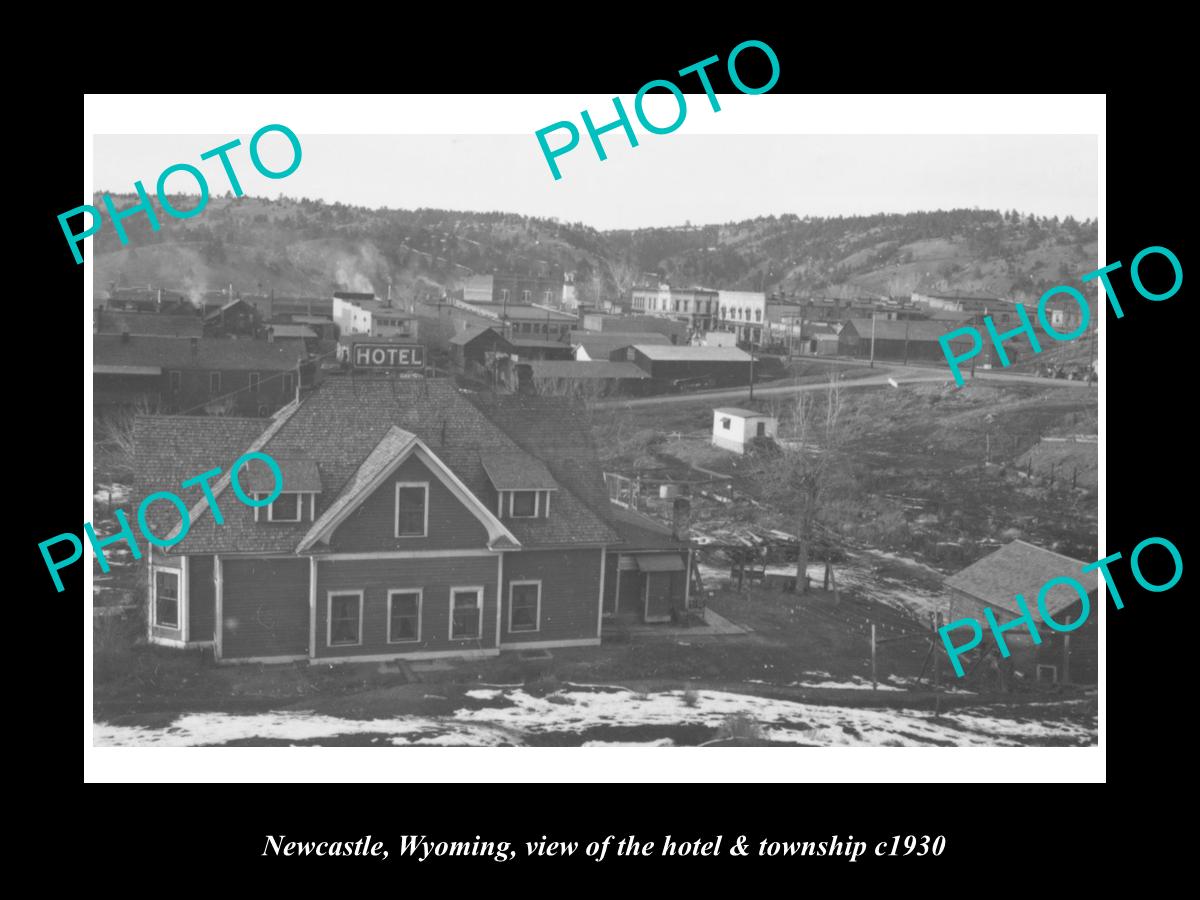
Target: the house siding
pixel 201 599
pixel 435 577
pixel 372 526
pixel 264 607
pixel 570 593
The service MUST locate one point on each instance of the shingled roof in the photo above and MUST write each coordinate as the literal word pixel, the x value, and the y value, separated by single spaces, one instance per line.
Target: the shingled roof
pixel 1022 568
pixel 343 421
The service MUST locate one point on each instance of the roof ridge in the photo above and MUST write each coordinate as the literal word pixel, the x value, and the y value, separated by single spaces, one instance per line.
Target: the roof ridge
pixel 256 445
pixel 1045 550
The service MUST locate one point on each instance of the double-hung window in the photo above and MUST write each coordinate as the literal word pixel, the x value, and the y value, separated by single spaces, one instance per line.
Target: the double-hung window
pixel 524 605
pixel 466 613
pixel 166 598
pixel 345 618
pixel 404 616
pixel 412 509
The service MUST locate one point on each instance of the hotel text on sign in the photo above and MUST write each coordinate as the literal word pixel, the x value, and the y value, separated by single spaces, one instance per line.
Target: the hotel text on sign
pixel 388 356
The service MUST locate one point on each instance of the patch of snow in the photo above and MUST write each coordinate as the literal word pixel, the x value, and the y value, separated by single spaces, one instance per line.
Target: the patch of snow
pixel 661 742
pixel 484 695
pixel 574 710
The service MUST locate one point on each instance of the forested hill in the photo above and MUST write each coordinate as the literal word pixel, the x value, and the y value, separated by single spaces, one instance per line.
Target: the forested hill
pixel 312 247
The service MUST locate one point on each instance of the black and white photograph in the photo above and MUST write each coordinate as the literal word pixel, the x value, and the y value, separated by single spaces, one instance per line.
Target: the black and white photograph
pixel 667 453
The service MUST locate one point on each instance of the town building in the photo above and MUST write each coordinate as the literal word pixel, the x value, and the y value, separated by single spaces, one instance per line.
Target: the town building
pixel 600 346
pixel 237 318
pixel 302 334
pixel 360 313
pixel 744 313
pixel 275 308
pixel 675 367
pixel 502 288
pixel 901 341
pixel 473 351
pixel 591 379
pixel 734 428
pixel 416 521
pixel 1023 568
pixel 676 332
pixel 185 375
pixel 516 321
pixel 695 307
pixel 146 324
pixel 148 299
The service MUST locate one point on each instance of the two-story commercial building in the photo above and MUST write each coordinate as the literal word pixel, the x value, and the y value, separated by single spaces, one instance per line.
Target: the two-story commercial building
pixel 360 313
pixel 744 313
pixel 414 521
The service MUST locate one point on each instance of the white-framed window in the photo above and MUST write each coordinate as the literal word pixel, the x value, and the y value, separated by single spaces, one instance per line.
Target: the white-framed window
pixel 523 504
pixel 504 295
pixel 176 379
pixel 466 613
pixel 286 508
pixel 166 598
pixel 547 298
pixel 214 383
pixel 404 615
pixel 343 620
pixel 412 508
pixel 525 295
pixel 524 605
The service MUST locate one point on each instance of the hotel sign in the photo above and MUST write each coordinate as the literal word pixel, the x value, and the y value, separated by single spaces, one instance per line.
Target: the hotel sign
pixel 368 355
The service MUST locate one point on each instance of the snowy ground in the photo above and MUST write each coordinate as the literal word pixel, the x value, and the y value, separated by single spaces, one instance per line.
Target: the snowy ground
pixel 583 715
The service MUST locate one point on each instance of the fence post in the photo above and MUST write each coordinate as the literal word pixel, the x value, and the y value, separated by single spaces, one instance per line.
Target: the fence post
pixel 874 682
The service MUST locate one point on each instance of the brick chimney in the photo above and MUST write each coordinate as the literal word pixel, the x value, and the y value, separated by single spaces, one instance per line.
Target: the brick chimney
pixel 681 518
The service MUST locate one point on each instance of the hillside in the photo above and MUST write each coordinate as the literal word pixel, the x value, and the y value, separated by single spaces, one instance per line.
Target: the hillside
pixel 312 247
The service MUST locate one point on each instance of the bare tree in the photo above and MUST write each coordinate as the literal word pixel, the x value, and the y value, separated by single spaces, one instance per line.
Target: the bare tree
pixel 797 477
pixel 114 432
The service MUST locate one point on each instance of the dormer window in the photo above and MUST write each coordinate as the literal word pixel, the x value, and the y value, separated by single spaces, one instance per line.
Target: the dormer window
pixel 524 505
pixel 297 502
pixel 290 506
pixel 523 485
pixel 286 508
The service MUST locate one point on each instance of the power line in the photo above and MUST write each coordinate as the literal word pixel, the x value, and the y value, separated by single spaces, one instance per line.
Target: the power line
pixel 261 382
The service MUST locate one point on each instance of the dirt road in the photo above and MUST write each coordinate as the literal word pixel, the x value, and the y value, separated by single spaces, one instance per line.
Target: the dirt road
pixel 901 376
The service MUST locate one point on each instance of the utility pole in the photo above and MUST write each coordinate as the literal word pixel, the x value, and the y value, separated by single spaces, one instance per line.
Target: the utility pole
pixel 872 340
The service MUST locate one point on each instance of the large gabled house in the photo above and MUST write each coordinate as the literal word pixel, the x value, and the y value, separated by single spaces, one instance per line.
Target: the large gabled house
pixel 415 521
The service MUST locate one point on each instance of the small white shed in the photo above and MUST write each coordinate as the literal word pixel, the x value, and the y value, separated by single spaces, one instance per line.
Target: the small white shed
pixel 733 428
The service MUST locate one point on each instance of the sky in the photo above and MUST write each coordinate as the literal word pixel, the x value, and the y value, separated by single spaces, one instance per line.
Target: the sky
pixel 666 180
